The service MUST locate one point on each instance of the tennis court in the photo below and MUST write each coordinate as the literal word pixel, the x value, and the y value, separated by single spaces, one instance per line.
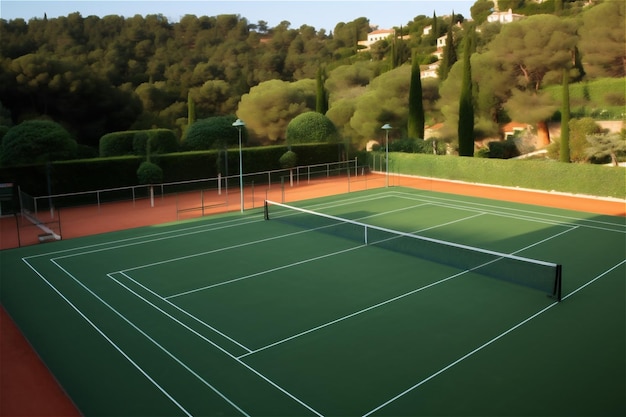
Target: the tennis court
pixel 304 314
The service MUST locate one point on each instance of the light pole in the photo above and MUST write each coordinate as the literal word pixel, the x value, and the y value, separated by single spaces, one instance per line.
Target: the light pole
pixel 239 124
pixel 387 127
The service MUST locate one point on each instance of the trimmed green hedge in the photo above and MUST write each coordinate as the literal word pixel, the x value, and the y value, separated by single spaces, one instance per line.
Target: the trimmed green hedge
pixel 134 142
pixel 104 173
pixel 587 179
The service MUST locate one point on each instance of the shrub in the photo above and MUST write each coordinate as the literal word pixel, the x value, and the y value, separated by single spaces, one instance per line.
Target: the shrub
pixel 311 127
pixel 117 144
pixel 503 150
pixel 288 160
pixel 212 133
pixel 134 142
pixel 579 129
pixel 36 141
pixel 161 141
pixel 149 173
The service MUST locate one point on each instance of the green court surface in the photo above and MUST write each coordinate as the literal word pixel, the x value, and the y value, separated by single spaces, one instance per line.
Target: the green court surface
pixel 238 315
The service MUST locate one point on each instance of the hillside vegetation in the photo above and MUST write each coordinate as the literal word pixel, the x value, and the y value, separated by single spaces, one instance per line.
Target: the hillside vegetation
pixel 98 75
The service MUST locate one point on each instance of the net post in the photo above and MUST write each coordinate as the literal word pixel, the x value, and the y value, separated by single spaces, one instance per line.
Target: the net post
pixel 266 213
pixel 558 282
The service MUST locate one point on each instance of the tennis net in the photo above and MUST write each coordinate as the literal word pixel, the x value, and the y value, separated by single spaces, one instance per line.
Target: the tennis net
pixel 540 275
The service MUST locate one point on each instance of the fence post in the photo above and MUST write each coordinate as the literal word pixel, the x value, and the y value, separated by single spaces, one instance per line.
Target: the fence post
pixel 282 187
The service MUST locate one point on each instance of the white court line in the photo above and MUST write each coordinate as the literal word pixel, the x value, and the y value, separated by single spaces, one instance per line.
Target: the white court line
pixel 111 342
pixel 398 297
pixel 225 336
pixel 356 313
pixel 256 274
pixel 178 234
pixel 595 279
pixel 266 379
pixel 267 271
pixel 192 230
pixel 501 335
pixel 177 360
pixel 496 209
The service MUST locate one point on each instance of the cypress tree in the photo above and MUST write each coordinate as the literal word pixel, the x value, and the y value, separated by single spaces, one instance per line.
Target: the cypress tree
pixel 415 126
pixel 321 98
pixel 449 53
pixel 191 114
pixel 435 29
pixel 466 106
pixel 565 116
pixel 191 110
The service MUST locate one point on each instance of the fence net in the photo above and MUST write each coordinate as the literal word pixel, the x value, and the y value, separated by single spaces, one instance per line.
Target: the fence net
pixel 48 224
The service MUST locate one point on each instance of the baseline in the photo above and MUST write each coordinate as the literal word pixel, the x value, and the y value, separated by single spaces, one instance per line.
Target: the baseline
pixel 489 342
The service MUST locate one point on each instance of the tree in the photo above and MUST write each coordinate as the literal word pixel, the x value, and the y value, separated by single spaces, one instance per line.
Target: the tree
pixel 603 38
pixel 191 110
pixel 579 130
pixel 269 107
pixel 150 173
pixel 481 10
pixel 466 104
pixel 449 54
pixel 434 34
pixel 603 145
pixel 311 127
pixel 565 115
pixel 321 98
pixel 533 51
pixel 416 120
pixel 36 141
pixel 289 160
pixel 384 100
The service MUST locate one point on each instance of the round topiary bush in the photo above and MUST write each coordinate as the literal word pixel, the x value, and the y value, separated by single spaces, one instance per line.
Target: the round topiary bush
pixel 149 173
pixel 288 160
pixel 212 133
pixel 311 127
pixel 36 141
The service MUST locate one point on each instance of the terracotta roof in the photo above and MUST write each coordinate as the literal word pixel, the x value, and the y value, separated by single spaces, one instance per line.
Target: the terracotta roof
pixel 376 32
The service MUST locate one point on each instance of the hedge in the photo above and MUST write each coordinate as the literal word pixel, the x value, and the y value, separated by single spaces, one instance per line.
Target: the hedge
pixel 585 179
pixel 133 142
pixel 101 173
pixel 104 173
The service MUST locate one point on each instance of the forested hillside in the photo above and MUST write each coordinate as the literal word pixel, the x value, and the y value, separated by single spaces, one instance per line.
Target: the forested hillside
pixel 96 75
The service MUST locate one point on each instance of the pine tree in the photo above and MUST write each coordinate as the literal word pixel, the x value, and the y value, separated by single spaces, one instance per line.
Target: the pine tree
pixel 415 126
pixel 466 105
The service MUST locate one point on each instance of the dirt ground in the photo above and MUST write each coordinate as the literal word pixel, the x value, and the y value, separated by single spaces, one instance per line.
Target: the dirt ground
pixel 26 386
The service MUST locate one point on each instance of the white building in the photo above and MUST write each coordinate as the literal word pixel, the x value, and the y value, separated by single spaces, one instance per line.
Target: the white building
pixel 504 17
pixel 375 36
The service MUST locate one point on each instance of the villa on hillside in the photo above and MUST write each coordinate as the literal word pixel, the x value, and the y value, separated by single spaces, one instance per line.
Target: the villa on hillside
pixel 504 17
pixel 429 71
pixel 375 36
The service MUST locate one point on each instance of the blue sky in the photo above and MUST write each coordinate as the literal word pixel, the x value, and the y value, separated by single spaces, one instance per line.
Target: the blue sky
pixel 321 14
